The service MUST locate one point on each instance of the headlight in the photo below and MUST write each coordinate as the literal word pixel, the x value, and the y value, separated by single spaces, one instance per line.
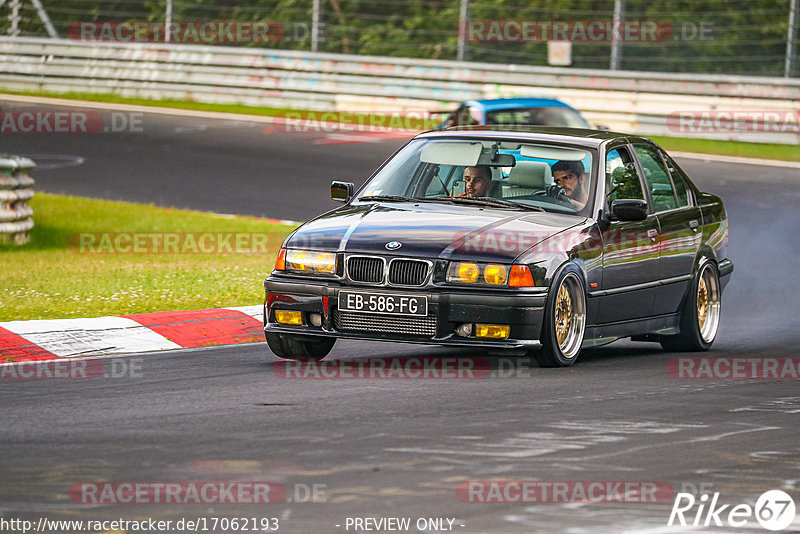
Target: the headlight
pixel 310 261
pixel 495 275
pixel 463 272
pixel 487 274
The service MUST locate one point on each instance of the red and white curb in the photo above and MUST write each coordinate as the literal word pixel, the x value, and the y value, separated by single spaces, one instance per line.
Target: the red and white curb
pixel 142 332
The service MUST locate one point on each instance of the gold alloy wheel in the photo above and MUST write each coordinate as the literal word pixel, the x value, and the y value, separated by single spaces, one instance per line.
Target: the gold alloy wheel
pixel 702 303
pixel 708 303
pixel 569 316
pixel 563 315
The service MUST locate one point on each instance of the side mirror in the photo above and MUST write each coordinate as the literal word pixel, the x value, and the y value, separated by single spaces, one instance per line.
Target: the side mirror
pixel 342 191
pixel 629 209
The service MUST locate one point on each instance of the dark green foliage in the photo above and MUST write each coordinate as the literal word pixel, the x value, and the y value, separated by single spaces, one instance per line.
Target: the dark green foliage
pixel 745 37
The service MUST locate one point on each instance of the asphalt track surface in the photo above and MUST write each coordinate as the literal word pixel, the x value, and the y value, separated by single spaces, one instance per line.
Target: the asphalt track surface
pixel 400 448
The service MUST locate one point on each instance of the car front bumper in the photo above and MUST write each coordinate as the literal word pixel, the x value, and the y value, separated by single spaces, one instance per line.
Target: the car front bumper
pixel 448 308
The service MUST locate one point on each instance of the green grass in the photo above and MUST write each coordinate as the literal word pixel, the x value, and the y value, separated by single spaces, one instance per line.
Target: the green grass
pixel 703 146
pixel 729 148
pixel 52 278
pixel 178 104
pixel 411 122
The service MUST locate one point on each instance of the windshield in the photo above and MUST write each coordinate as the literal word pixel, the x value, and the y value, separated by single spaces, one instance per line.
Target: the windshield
pixel 501 173
pixel 538 117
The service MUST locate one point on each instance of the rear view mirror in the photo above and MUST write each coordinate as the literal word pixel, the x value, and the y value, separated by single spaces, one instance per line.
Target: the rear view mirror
pixel 500 160
pixel 342 191
pixel 629 209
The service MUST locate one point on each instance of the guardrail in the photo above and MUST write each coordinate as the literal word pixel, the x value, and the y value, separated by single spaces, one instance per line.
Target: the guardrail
pixel 16 189
pixel 636 102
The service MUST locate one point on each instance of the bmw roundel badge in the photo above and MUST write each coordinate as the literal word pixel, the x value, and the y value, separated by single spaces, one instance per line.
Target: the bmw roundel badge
pixel 393 245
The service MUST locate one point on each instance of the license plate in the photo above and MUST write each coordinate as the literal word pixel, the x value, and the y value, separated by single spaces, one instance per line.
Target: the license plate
pixel 383 303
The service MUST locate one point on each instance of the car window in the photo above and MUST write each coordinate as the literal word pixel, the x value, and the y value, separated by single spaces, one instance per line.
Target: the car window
pixel 679 182
pixel 521 173
pixel 543 116
pixel 613 160
pixel 464 116
pixel 442 180
pixel 622 180
pixel 657 177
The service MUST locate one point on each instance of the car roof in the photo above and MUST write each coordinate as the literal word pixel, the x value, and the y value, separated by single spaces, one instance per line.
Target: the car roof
pixel 516 103
pixel 580 136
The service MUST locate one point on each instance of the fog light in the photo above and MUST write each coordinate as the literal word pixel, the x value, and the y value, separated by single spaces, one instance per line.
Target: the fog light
pixel 315 319
pixel 464 330
pixel 289 317
pixel 493 331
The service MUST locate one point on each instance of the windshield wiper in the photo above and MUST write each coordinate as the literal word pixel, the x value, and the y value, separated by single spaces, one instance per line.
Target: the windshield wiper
pixel 395 198
pixel 391 198
pixel 491 201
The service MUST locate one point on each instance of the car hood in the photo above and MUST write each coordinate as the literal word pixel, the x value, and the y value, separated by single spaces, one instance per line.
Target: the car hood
pixel 428 230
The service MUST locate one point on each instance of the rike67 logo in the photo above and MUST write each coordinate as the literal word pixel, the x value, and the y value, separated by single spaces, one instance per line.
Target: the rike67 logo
pixel 774 510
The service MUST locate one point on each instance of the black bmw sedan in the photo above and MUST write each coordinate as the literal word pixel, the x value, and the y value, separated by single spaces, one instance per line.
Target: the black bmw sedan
pixel 544 239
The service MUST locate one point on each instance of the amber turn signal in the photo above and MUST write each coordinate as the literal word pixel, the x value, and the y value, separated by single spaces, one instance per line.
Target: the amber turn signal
pixel 280 262
pixel 520 276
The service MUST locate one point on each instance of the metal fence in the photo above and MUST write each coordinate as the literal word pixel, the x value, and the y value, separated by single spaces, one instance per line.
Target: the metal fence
pixel 16 189
pixel 744 37
pixel 636 102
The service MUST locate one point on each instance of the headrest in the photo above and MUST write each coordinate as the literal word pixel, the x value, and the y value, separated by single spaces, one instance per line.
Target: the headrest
pixel 531 174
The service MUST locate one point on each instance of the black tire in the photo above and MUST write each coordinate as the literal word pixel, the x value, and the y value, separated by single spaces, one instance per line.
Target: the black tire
pixel 564 322
pixel 700 313
pixel 299 347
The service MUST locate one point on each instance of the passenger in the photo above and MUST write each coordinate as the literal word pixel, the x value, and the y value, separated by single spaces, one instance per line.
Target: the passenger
pixel 478 180
pixel 571 177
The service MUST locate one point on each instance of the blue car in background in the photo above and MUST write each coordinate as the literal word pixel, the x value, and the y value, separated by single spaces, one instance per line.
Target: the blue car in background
pixel 529 111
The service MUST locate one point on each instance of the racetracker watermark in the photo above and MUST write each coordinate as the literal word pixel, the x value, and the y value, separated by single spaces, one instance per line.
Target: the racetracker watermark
pixel 734 368
pixel 69 121
pixel 378 121
pixel 516 242
pixel 194 492
pixel 73 369
pixel 385 368
pixel 182 31
pixel 148 524
pixel 406 368
pixel 175 242
pixel 581 31
pixel 733 121
pixel 563 491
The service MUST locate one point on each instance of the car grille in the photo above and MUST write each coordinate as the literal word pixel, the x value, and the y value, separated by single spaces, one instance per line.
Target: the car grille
pixel 388 324
pixel 365 269
pixel 408 272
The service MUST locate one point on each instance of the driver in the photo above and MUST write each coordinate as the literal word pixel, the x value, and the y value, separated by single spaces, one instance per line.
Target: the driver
pixel 478 180
pixel 571 177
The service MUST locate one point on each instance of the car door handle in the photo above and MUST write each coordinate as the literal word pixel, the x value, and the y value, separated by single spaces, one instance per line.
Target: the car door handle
pixel 652 234
pixel 694 225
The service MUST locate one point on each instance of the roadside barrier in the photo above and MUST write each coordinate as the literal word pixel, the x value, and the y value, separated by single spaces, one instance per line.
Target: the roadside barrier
pixel 16 189
pixel 745 108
